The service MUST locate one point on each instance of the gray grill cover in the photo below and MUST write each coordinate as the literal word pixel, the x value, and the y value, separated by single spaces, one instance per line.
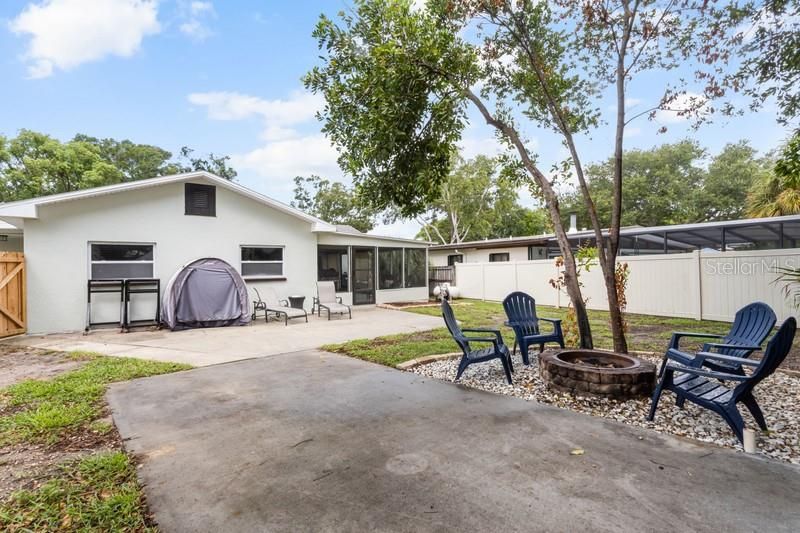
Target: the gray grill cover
pixel 205 293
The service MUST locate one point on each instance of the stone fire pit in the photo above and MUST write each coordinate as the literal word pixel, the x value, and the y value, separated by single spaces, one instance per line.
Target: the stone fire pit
pixel 597 373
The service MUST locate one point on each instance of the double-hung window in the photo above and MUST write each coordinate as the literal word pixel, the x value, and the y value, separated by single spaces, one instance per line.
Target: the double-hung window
pixel 120 260
pixel 262 262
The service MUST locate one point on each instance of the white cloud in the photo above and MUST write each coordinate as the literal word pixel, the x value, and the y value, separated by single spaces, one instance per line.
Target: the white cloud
pixel 471 146
pixel 286 152
pixel 282 160
pixel 683 107
pixel 298 108
pixel 196 15
pixel 632 102
pixel 68 33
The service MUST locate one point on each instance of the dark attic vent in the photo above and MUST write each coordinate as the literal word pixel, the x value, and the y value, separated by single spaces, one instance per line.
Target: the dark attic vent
pixel 201 200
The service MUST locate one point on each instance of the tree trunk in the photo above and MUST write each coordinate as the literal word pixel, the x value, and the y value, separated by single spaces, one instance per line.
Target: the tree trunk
pixel 609 248
pixel 575 295
pixel 551 201
pixel 614 312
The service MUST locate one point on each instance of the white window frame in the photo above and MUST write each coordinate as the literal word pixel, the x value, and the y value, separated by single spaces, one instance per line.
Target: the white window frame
pixel 90 262
pixel 282 262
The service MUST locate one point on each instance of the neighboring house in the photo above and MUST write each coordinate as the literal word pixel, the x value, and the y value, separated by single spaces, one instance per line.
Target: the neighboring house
pixel 730 235
pixel 150 228
pixel 489 251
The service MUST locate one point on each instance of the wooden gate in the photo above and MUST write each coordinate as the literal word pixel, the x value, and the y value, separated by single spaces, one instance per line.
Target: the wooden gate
pixel 12 294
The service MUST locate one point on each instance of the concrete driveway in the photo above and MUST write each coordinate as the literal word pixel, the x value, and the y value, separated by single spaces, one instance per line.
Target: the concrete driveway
pixel 202 347
pixel 318 442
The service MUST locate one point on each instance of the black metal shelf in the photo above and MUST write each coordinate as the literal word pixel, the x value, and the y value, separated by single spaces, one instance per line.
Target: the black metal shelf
pixel 141 286
pixel 125 288
pixel 104 286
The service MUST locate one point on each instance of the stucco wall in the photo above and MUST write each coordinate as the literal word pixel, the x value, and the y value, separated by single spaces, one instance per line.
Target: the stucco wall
pixel 412 294
pixel 57 256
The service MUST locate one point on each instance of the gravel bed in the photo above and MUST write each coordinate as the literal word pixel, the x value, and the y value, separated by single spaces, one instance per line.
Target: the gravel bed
pixel 777 395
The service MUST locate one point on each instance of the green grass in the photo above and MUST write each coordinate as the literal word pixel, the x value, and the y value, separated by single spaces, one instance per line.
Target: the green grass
pixel 96 493
pixel 645 333
pixel 41 411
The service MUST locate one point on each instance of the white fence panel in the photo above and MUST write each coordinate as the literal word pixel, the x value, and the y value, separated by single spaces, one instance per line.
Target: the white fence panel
pixel 708 285
pixel 469 280
pixel 534 278
pixel 665 285
pixel 734 279
pixel 499 280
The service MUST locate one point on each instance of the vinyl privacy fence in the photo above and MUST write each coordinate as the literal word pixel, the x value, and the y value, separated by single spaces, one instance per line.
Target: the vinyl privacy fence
pixel 703 284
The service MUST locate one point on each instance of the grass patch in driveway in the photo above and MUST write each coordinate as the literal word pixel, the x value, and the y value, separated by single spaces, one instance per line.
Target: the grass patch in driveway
pixel 43 410
pixel 96 493
pixel 645 333
pixel 63 464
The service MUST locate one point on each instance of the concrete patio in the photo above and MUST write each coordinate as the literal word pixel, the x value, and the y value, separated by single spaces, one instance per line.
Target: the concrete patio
pixel 313 441
pixel 202 347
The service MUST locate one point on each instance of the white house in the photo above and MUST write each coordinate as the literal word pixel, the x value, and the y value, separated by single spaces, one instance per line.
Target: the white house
pixel 150 228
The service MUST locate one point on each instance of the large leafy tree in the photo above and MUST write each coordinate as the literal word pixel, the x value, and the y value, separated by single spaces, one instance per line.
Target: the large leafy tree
pixel 769 33
pixel 674 184
pixel 731 174
pixel 133 161
pixel 476 202
pixel 216 164
pixel 332 202
pixel 655 188
pixel 770 71
pixel 35 164
pixel 397 82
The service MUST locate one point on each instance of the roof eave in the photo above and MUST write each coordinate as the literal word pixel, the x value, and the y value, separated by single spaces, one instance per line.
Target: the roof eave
pixel 29 208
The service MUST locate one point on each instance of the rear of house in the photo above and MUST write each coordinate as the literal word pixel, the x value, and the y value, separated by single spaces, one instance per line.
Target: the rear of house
pixel 150 228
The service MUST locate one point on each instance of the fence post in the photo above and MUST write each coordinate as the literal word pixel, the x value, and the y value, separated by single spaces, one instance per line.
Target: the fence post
pixel 483 282
pixel 698 264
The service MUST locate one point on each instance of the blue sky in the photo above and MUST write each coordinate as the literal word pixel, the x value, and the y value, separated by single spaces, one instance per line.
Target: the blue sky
pixel 224 77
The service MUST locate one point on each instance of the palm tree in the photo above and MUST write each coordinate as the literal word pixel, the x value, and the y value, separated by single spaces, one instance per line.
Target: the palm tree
pixel 778 193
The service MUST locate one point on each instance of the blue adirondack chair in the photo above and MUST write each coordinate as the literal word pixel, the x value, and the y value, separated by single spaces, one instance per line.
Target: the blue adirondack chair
pixel 750 327
pixel 497 350
pixel 707 389
pixel 521 312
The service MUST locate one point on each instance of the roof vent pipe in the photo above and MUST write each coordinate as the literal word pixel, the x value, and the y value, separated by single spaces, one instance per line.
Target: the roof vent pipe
pixel 573 223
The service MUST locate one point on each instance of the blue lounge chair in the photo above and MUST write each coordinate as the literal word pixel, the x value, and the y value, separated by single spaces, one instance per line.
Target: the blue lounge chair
pixel 521 312
pixel 750 327
pixel 497 350
pixel 707 388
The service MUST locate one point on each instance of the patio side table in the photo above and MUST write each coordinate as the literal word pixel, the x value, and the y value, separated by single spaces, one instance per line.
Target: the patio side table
pixel 297 301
